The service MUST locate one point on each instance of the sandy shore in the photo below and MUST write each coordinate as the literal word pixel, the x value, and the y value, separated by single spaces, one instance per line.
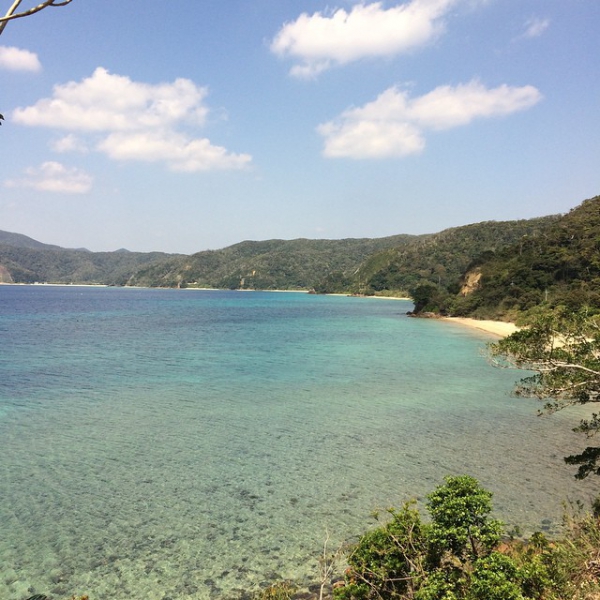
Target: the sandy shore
pixel 498 328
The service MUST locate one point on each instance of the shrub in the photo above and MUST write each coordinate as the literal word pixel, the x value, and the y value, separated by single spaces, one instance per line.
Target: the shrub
pixel 455 557
pixel 387 561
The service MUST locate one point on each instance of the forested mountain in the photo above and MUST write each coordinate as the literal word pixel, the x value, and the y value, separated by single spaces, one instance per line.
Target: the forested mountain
pixel 271 264
pixel 439 259
pixel 22 241
pixel 52 264
pixel 489 269
pixel 560 266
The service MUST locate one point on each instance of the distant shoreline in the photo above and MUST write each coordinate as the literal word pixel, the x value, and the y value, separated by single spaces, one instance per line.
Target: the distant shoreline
pixel 36 284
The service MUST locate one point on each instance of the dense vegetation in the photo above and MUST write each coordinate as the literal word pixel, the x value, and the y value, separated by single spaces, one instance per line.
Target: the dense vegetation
pixel 461 553
pixel 59 265
pixel 272 264
pixel 392 265
pixel 488 270
pixel 556 266
pixel 438 260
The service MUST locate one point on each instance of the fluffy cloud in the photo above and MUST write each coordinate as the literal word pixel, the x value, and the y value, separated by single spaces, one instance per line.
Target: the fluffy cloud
pixel 131 120
pixel 179 152
pixel 368 30
pixel 54 177
pixel 535 27
pixel 16 59
pixel 394 125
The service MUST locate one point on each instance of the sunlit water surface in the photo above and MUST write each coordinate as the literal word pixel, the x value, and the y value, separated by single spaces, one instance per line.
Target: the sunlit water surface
pixel 162 444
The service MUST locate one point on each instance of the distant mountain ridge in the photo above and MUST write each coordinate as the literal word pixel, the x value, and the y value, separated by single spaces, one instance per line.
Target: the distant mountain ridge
pixel 437 270
pixel 271 264
pixel 22 241
pixel 25 260
pixel 440 259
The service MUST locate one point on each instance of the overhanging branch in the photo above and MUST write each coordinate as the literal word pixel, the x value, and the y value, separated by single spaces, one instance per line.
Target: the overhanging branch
pixel 11 14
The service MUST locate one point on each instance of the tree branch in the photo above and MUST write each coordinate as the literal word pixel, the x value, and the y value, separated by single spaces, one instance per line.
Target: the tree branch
pixel 11 14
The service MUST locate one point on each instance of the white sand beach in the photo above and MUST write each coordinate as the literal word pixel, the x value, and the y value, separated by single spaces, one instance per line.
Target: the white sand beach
pixel 498 328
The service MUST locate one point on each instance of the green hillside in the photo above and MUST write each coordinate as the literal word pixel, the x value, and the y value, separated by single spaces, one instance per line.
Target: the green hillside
pixel 271 264
pixel 22 241
pixel 558 266
pixel 51 264
pixel 439 259
pixel 489 269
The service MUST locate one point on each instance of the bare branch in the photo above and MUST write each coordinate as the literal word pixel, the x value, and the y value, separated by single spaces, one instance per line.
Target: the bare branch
pixel 327 564
pixel 560 365
pixel 11 14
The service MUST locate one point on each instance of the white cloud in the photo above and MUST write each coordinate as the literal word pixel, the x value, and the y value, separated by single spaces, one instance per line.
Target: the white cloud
pixel 535 26
pixel 394 125
pixel 69 143
pixel 54 177
pixel 368 30
pixel 16 59
pixel 179 152
pixel 132 120
pixel 106 102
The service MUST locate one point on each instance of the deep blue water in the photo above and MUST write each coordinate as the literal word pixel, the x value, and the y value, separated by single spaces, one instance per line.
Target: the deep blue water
pixel 187 444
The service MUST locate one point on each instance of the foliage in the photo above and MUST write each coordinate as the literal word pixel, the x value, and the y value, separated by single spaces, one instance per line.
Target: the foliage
pixel 562 348
pixel 352 266
pixel 429 297
pixel 460 520
pixel 61 265
pixel 454 557
pixel 520 264
pixel 272 264
pixel 441 259
pixel 389 560
pixel 322 265
pixel 556 267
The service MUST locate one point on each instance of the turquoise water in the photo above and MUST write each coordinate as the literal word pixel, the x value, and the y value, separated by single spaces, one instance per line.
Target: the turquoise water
pixel 163 444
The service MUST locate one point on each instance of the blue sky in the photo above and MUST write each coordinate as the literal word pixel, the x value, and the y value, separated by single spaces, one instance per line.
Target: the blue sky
pixel 185 126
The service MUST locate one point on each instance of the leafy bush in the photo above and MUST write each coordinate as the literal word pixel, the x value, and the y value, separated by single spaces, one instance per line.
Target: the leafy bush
pixel 388 561
pixel 454 557
pixel 460 521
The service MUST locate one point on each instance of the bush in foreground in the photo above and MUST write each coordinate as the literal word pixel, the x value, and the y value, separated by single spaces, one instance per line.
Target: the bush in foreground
pixel 460 555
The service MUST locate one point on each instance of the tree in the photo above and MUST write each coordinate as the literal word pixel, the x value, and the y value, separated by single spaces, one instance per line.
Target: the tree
pixel 460 519
pixel 454 557
pixel 429 297
pixel 562 348
pixel 12 13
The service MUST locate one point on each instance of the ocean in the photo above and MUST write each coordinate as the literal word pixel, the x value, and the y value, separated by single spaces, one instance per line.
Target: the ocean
pixel 189 444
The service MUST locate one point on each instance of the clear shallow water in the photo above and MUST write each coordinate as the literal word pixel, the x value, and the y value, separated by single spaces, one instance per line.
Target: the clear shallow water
pixel 161 444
